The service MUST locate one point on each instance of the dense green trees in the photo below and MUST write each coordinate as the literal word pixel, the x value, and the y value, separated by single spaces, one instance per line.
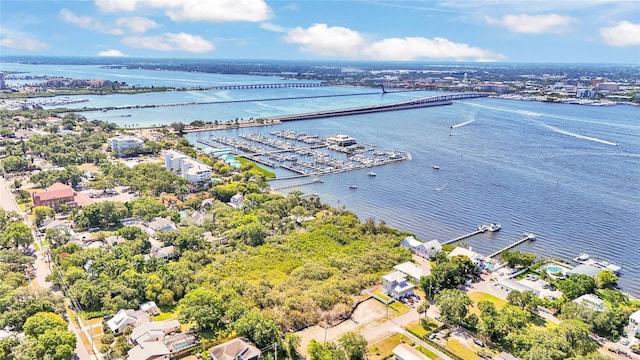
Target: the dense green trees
pixel 14 163
pixel 453 304
pixel 15 234
pixel 70 175
pixel 351 346
pixel 103 214
pixel 47 335
pixel 576 285
pixel 517 258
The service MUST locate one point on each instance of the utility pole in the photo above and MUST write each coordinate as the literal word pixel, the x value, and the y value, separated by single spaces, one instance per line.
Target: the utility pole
pixel 275 351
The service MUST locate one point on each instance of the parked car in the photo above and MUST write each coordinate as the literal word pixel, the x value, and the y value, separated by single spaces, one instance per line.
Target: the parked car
pixel 478 342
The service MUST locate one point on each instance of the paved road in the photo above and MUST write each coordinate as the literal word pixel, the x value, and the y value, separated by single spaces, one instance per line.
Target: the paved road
pixel 7 201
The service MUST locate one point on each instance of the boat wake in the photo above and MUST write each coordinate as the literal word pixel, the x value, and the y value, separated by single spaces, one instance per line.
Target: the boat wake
pixel 578 136
pixel 463 124
pixel 442 187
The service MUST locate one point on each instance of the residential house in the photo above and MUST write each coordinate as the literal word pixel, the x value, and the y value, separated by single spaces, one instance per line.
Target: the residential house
pixel 207 203
pixel 113 240
pixel 197 218
pixel 413 271
pixel 154 350
pixel 124 318
pixel 58 194
pixel 150 308
pixel 423 249
pixel 50 223
pixel 166 253
pixel 476 258
pixel 153 331
pixel 585 269
pixel 509 285
pixel 396 285
pixel 634 321
pixel 161 224
pixel 591 301
pixel 236 201
pixel 236 349
pixel 407 352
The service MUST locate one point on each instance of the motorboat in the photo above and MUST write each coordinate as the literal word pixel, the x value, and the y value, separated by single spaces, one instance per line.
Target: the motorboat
pixel 353 186
pixel 436 167
pixel 494 227
pixel 371 173
pixel 482 228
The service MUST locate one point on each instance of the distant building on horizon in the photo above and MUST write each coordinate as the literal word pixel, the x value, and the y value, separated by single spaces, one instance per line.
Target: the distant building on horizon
pixel 3 85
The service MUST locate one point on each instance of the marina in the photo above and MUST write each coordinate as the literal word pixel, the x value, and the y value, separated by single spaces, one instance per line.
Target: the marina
pixel 307 155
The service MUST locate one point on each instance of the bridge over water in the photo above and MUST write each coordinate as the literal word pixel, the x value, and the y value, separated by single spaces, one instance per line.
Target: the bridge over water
pixel 437 100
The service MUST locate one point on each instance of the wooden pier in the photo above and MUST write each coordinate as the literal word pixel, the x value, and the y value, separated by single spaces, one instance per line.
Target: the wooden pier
pixel 314 181
pixel 480 230
pixel 525 237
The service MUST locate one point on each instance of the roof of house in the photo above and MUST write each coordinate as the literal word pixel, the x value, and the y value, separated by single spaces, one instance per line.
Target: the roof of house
pixel 161 223
pixel 516 285
pixel 411 241
pixel 635 317
pixel 411 269
pixel 150 331
pixel 114 239
pixel 148 350
pixel 465 252
pixel 591 299
pixel 126 317
pixel 55 191
pixel 149 305
pixel 407 352
pixel 432 244
pixel 234 349
pixel 396 276
pixel 586 269
pixel 403 286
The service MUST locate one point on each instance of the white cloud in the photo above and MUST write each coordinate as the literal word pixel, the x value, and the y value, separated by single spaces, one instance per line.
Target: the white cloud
pixel 196 10
pixel 272 27
pixel 412 48
pixel 342 42
pixel 625 33
pixel 14 39
pixel 89 23
pixel 328 41
pixel 137 24
pixel 533 24
pixel 111 52
pixel 170 42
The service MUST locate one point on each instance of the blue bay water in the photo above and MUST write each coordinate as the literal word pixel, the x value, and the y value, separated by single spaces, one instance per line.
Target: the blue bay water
pixel 568 173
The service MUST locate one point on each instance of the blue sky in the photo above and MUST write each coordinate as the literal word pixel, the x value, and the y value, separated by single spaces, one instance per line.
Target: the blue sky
pixel 582 31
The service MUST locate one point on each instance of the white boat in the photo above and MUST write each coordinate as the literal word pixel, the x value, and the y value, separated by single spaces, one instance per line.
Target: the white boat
pixel 353 186
pixel 494 227
pixel 371 173
pixel 582 258
pixel 482 228
pixel 436 167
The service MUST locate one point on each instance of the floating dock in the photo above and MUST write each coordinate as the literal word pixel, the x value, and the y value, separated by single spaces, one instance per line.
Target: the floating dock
pixel 525 237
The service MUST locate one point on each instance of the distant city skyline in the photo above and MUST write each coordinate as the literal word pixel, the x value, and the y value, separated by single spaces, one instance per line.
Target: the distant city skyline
pixel 596 31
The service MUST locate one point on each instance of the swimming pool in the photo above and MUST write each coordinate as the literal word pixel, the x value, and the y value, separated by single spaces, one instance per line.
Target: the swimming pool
pixel 554 269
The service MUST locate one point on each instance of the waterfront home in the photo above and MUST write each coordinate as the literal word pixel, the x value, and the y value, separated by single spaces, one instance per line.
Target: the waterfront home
pixel 236 349
pixel 413 271
pixel 591 301
pixel 509 285
pixel 634 321
pixel 396 285
pixel 476 258
pixel 585 269
pixel 407 352
pixel 124 318
pixel 423 249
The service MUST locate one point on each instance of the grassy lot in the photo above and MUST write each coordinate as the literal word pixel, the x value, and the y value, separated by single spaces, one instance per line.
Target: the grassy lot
pixel 462 350
pixel 383 349
pixel 417 329
pixel 381 295
pixel 268 174
pixel 166 315
pixel 427 352
pixel 399 308
pixel 476 297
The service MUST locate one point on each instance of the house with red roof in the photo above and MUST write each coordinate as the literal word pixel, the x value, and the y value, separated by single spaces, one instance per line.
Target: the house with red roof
pixel 58 194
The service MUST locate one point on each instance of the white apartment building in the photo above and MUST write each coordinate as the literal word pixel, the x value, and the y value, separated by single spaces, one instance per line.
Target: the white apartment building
pixel 189 168
pixel 121 143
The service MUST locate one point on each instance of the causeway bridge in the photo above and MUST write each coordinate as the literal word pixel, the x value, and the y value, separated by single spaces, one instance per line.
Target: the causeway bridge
pixel 265 86
pixel 438 100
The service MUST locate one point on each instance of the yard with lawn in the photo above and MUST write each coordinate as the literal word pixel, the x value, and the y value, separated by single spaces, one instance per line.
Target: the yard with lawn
pixel 384 348
pixel 476 297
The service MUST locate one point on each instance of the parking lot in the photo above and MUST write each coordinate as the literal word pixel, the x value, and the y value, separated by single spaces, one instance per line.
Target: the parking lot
pixel 119 193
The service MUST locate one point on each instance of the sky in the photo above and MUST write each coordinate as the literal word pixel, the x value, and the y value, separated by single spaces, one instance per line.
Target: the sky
pixel 559 31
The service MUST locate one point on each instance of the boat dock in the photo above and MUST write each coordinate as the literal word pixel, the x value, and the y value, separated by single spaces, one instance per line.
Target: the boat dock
pixel 480 230
pixel 525 237
pixel 314 181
